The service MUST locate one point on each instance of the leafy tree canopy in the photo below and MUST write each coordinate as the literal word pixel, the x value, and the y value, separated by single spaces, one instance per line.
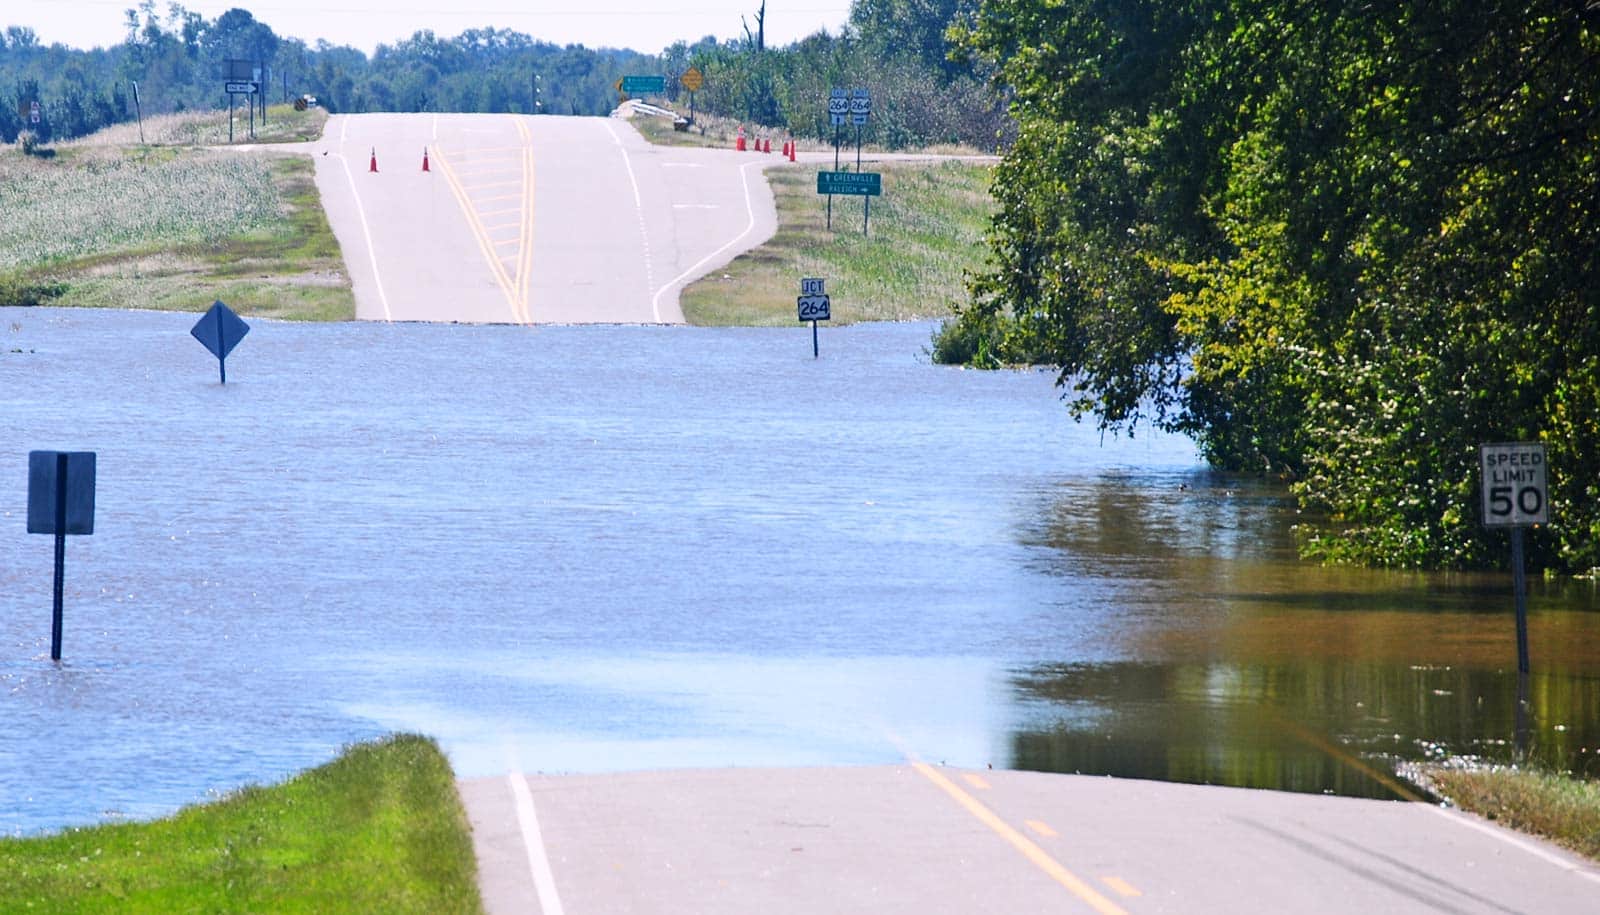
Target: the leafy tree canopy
pixel 1347 245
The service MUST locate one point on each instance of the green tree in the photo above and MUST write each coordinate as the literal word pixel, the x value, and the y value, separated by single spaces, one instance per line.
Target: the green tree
pixel 1342 248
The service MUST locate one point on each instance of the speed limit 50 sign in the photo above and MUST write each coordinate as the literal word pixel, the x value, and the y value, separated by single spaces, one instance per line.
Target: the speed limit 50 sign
pixel 1515 485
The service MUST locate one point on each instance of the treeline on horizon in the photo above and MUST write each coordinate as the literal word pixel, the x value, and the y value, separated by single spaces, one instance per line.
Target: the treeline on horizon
pixel 178 59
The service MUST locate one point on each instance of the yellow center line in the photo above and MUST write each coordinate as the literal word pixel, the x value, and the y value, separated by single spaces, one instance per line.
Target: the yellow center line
pixel 1041 828
pixel 1022 843
pixel 525 273
pixel 1122 887
pixel 975 781
pixel 478 232
pixel 1340 754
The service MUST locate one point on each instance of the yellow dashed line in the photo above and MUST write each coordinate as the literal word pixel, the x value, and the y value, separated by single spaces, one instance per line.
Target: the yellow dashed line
pixel 1022 843
pixel 1041 827
pixel 975 781
pixel 1121 887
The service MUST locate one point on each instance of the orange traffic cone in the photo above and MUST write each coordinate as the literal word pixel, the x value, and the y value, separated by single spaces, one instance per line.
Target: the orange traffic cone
pixel 767 146
pixel 425 160
pixel 374 166
pixel 739 144
pixel 792 145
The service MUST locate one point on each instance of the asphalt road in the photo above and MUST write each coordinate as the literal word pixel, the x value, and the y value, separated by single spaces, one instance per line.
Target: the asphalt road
pixel 531 220
pixel 926 839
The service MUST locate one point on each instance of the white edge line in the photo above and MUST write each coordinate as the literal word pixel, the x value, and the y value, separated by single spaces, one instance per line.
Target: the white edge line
pixel 638 203
pixel 538 863
pixel 1570 865
pixel 361 214
pixel 750 212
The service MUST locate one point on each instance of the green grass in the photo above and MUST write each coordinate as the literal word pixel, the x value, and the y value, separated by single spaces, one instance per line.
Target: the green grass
pixel 926 232
pixel 708 131
pixel 380 829
pixel 210 128
pixel 1561 809
pixel 168 228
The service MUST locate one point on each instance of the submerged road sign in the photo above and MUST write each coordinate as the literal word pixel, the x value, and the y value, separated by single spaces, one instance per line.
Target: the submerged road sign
pixel 814 308
pixel 1515 490
pixel 64 479
pixel 220 330
pixel 60 502
pixel 860 184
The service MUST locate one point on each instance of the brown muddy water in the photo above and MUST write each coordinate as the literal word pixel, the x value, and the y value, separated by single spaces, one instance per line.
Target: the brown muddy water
pixel 608 548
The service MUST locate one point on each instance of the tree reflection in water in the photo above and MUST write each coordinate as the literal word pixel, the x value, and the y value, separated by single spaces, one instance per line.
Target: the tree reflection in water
pixel 1232 662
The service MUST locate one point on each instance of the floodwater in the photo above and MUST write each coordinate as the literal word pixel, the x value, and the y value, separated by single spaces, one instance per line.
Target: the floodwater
pixel 580 549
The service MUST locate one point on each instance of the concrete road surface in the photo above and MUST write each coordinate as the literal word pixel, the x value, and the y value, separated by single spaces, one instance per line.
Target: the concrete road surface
pixel 525 220
pixel 925 839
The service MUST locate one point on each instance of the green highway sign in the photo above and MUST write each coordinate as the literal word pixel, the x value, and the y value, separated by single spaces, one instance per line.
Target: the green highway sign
pixel 644 85
pixel 860 184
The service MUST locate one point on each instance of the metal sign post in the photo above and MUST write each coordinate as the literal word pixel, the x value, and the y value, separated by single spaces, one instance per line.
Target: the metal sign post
pixel 860 109
pixel 60 502
pixel 813 306
pixel 243 77
pixel 138 110
pixel 1516 495
pixel 692 80
pixel 838 110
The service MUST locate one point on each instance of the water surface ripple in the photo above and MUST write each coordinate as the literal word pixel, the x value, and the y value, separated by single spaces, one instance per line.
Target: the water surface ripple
pixel 610 548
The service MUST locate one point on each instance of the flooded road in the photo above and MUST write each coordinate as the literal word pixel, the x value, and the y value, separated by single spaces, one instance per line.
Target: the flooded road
pixel 584 549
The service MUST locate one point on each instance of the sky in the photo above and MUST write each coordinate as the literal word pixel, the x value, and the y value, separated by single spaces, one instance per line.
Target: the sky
pixel 637 24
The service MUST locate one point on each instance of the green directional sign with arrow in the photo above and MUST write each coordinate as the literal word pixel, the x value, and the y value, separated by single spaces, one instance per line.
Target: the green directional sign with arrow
pixel 644 85
pixel 860 184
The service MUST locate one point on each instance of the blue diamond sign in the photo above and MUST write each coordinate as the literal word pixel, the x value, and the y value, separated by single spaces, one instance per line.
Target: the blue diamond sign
pixel 220 330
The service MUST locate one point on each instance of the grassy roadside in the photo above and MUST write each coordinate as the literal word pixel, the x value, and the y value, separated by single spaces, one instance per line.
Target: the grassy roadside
pixel 380 829
pixel 1564 810
pixel 926 233
pixel 711 131
pixel 210 128
pixel 106 224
